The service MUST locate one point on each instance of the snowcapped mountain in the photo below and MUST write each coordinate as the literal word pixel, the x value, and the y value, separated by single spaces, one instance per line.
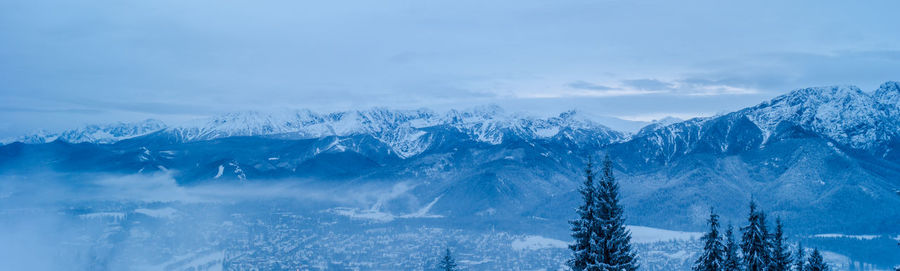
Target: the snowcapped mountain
pixel 844 115
pixel 403 130
pixel 814 153
pixel 103 134
pixel 818 154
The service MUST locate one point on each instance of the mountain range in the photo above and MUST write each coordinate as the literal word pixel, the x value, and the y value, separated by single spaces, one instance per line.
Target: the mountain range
pixel 824 158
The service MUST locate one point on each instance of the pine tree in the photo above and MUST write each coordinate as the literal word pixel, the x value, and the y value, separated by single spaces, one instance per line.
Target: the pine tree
pixel 732 260
pixel 781 257
pixel 754 241
pixel 447 263
pixel 613 239
pixel 712 257
pixel 767 244
pixel 816 262
pixel 584 228
pixel 799 263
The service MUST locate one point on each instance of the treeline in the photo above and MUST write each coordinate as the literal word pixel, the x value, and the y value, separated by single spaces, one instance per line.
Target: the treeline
pixel 602 243
pixel 759 250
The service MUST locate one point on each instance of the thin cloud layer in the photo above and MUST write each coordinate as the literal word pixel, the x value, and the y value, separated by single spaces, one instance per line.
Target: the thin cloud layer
pixel 72 63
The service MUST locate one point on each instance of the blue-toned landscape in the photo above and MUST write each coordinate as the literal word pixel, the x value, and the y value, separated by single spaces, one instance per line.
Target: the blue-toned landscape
pixel 389 189
pixel 571 135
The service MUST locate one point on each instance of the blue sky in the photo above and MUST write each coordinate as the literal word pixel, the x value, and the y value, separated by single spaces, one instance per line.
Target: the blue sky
pixel 67 63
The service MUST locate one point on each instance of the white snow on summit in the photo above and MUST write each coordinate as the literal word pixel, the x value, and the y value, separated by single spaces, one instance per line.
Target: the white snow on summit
pixel 842 113
pixel 402 130
pixel 102 134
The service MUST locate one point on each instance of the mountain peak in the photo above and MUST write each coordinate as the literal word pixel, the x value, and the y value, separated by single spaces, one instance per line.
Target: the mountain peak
pixel 888 93
pixel 94 133
pixel 821 94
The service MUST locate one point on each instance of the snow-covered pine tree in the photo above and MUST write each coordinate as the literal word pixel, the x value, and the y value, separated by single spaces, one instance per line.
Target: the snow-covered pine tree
pixel 764 228
pixel 800 259
pixel 712 257
pixel 447 263
pixel 816 262
pixel 614 240
pixel 781 256
pixel 754 241
pixel 584 228
pixel 732 260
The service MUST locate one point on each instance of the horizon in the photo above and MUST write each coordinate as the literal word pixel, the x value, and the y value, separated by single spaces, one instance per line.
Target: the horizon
pixel 624 124
pixel 73 64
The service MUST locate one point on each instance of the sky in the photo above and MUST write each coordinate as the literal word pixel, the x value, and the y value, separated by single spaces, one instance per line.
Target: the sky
pixel 69 63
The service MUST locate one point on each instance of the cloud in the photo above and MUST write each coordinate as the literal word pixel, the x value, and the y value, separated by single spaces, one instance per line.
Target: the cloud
pixel 779 72
pixel 184 60
pixel 687 86
pixel 705 87
pixel 587 85
pixel 647 84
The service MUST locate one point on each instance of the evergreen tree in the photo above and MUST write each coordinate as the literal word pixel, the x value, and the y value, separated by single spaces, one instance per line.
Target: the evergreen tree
pixel 754 241
pixel 447 263
pixel 816 262
pixel 584 228
pixel 764 228
pixel 712 257
pixel 800 259
pixel 732 260
pixel 781 257
pixel 613 241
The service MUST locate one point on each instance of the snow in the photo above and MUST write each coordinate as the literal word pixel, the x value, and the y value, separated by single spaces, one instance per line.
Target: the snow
pixel 423 212
pixel 376 215
pixel 210 260
pixel 679 255
pixel 100 215
pixel 546 132
pixel 840 235
pixel 103 134
pixel 402 130
pixel 535 242
pixel 844 114
pixel 641 234
pixel 219 173
pixel 353 213
pixel 167 212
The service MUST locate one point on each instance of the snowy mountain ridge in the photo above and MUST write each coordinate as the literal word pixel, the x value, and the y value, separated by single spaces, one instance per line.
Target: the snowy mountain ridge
pixel 101 134
pixel 843 114
pixel 402 130
pixel 787 151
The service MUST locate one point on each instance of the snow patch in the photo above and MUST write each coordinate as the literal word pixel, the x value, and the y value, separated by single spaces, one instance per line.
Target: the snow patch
pixel 221 170
pixel 100 215
pixel 375 214
pixel 840 235
pixel 641 234
pixel 167 212
pixel 535 242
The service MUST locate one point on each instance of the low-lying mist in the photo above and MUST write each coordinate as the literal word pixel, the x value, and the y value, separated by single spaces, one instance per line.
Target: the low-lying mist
pixel 52 221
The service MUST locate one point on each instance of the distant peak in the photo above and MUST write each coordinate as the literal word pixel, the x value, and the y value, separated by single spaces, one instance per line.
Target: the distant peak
pixel 816 95
pixel 568 114
pixel 888 88
pixel 837 91
pixel 890 85
pixel 667 120
pixel 888 93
